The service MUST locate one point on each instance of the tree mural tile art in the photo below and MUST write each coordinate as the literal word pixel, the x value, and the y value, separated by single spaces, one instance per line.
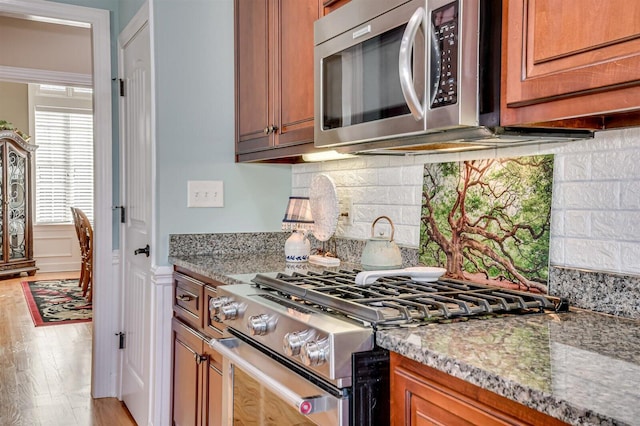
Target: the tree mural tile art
pixel 488 220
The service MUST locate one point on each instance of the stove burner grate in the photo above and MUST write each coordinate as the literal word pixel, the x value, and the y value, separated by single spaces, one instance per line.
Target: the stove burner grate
pixel 397 300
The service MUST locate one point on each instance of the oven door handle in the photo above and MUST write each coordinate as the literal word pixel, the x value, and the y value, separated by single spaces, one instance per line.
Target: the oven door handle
pixel 416 21
pixel 304 404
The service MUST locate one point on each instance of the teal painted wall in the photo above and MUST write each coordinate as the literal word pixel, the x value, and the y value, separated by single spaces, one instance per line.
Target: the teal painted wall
pixel 195 127
pixel 195 123
pixel 127 10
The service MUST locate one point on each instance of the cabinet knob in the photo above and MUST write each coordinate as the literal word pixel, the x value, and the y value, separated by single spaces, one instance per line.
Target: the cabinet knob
pixel 270 129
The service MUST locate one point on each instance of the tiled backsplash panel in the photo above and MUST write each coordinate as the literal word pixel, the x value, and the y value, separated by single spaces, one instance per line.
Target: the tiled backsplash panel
pixel 596 196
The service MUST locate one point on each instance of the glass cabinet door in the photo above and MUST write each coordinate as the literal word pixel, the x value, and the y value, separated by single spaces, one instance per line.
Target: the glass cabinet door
pixel 16 208
pixel 2 199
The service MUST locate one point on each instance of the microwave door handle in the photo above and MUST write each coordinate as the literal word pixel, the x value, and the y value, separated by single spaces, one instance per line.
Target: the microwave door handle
pixel 404 63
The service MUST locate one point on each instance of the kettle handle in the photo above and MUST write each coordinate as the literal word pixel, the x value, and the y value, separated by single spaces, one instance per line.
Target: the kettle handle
pixel 393 230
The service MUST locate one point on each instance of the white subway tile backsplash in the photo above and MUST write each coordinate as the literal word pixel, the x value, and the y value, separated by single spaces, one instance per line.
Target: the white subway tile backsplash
pixel 374 161
pixel 412 174
pixel 592 254
pixel 616 225
pixel 557 222
pixel 407 233
pixel 596 196
pixel 619 164
pixel 630 257
pixel 556 251
pixel 577 223
pixel 630 195
pixel 390 176
pixel 575 168
pixel 411 215
pixel 402 196
pixel 630 138
pixel 590 195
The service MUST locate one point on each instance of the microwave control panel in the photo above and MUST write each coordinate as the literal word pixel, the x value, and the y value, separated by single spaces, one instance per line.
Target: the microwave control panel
pixel 444 61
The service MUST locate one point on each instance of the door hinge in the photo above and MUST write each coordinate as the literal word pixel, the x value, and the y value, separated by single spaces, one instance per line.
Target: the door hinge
pixel 122 340
pixel 122 213
pixel 121 86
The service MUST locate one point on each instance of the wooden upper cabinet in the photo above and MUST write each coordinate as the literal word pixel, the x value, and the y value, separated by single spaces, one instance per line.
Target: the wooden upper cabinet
pixel 252 50
pixel 274 77
pixel 294 70
pixel 570 59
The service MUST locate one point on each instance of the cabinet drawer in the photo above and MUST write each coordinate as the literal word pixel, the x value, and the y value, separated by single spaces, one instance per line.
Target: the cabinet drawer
pixel 187 299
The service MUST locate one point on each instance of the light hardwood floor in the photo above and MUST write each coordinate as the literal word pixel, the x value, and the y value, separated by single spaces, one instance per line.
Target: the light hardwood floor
pixel 45 372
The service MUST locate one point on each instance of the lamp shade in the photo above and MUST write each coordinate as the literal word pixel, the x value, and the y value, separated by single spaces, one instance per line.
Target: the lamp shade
pixel 298 215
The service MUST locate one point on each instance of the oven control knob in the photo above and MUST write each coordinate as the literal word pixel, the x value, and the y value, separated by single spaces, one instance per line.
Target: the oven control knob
pixel 315 353
pixel 216 303
pixel 229 311
pixel 294 341
pixel 259 325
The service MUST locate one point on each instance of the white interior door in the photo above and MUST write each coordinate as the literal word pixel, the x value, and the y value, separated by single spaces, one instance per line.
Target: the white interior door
pixel 136 289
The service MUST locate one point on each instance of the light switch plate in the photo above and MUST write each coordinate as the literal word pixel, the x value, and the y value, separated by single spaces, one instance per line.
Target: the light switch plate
pixel 205 193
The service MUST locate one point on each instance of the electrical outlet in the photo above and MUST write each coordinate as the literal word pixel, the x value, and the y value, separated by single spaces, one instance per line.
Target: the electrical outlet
pixel 345 207
pixel 205 193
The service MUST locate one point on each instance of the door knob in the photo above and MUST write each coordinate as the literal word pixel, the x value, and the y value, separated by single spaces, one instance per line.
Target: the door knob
pixel 144 250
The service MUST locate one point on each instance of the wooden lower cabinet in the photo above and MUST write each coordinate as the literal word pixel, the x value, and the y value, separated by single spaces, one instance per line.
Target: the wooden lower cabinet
pixel 197 369
pixel 197 379
pixel 214 400
pixel 421 396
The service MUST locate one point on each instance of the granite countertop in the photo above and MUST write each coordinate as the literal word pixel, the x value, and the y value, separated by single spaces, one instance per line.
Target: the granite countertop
pixel 241 268
pixel 581 367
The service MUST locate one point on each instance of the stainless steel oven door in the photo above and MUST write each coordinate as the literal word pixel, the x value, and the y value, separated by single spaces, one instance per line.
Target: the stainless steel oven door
pixel 370 81
pixel 259 390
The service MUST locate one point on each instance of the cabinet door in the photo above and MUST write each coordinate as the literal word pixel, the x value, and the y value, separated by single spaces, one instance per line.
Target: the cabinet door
pixel 17 197
pixel 252 72
pixel 425 403
pixel 187 376
pixel 214 397
pixel 421 395
pixel 293 20
pixel 569 59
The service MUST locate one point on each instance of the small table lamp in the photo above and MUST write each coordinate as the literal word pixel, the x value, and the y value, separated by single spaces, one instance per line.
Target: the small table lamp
pixel 298 219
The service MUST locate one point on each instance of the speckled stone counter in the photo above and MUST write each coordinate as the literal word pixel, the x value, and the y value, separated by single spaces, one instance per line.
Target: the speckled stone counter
pixel 580 367
pixel 239 268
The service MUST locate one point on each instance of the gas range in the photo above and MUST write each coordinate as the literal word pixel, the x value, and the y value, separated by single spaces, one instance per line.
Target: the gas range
pixel 316 321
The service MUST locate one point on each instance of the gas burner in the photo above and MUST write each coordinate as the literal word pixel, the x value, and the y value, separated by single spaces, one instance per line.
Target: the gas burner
pixel 399 299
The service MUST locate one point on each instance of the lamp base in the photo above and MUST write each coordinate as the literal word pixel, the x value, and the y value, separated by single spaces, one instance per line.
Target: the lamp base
pixel 297 248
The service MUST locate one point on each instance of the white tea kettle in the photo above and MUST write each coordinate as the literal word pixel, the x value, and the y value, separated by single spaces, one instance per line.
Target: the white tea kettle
pixel 381 252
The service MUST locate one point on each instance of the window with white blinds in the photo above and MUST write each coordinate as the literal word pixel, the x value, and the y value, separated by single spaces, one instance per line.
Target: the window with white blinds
pixel 64 162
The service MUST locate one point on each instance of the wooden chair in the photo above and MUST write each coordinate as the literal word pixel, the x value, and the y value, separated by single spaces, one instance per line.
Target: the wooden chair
pixel 85 238
pixel 77 222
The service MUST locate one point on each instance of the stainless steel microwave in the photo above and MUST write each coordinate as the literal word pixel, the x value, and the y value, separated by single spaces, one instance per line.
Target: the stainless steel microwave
pixel 409 76
pixel 395 68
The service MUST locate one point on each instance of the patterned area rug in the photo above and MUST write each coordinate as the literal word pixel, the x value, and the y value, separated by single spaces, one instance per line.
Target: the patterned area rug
pixel 56 302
